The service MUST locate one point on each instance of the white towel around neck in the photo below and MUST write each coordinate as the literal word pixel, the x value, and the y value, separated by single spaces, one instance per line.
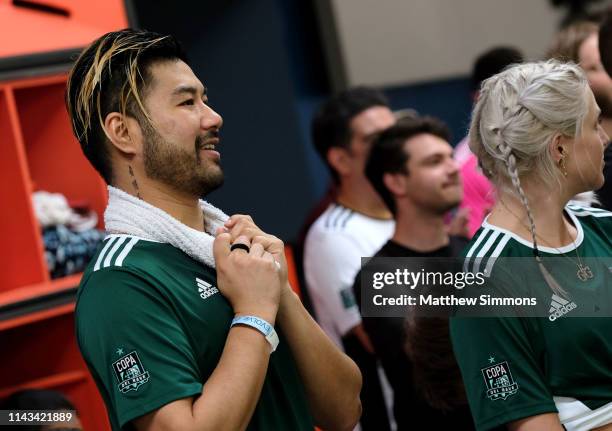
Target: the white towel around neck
pixel 130 215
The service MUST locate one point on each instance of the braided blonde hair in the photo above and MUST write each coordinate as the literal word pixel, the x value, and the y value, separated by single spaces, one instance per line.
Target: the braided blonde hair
pixel 518 114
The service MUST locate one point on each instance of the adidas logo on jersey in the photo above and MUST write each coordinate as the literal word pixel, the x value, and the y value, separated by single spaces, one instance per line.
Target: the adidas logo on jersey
pixel 205 289
pixel 559 307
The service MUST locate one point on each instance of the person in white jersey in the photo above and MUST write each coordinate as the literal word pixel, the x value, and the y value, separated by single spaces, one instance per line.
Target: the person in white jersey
pixel 355 225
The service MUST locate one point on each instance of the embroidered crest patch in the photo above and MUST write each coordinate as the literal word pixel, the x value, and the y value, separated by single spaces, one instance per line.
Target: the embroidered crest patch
pixel 130 373
pixel 499 381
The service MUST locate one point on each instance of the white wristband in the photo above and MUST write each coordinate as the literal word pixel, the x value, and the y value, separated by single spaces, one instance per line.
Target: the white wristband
pixel 262 326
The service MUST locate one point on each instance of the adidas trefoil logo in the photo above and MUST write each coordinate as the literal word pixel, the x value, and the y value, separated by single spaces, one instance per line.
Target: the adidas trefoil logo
pixel 205 289
pixel 559 307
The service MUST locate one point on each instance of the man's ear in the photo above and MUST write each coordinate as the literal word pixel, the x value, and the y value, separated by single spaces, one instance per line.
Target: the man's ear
pixel 396 183
pixel 338 158
pixel 558 147
pixel 123 132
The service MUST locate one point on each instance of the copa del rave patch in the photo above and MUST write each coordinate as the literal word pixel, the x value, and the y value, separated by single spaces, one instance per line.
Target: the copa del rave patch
pixel 499 381
pixel 130 373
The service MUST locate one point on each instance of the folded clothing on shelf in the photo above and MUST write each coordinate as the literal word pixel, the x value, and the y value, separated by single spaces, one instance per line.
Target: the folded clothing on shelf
pixel 69 234
pixel 68 252
pixel 52 209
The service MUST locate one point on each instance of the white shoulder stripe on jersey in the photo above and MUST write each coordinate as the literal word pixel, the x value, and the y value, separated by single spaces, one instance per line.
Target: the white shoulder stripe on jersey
pixel 482 236
pixel 583 211
pixel 331 212
pixel 495 255
pixel 115 241
pixel 119 235
pixel 102 252
pixel 336 222
pixel 347 218
pixel 112 252
pixel 592 214
pixel 468 256
pixel 584 208
pixel 485 248
pixel 125 251
pixel 565 249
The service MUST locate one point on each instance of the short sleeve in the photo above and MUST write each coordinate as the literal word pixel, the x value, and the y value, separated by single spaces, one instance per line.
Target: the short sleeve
pixel 501 369
pixel 330 265
pixel 134 344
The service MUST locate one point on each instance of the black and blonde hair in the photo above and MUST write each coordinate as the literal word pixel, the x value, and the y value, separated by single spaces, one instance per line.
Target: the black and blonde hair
pixel 112 75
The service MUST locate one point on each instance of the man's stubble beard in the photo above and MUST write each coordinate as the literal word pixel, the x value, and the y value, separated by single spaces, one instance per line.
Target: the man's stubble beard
pixel 443 206
pixel 177 167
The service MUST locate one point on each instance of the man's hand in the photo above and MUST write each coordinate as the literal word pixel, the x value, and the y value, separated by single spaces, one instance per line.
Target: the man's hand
pixel 332 381
pixel 249 280
pixel 243 225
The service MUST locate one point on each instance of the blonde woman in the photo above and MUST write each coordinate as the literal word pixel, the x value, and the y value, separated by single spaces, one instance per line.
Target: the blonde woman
pixel 536 132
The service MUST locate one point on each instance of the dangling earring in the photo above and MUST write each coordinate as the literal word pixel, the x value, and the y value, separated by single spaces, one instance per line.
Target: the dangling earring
pixel 562 165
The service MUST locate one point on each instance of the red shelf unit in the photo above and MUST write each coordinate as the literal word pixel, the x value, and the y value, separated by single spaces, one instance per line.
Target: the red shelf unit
pixel 39 152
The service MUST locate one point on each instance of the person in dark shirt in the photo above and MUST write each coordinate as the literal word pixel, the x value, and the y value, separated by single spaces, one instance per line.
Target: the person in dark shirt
pixel 411 166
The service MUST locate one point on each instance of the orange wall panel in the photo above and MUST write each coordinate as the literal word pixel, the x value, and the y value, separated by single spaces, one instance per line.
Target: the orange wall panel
pixel 55 159
pixel 22 256
pixel 28 31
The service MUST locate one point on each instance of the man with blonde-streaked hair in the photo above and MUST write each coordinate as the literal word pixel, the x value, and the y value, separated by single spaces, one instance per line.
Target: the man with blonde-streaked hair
pixel 178 312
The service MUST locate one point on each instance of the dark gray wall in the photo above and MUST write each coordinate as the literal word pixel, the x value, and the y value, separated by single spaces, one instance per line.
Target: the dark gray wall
pixel 239 50
pixel 263 63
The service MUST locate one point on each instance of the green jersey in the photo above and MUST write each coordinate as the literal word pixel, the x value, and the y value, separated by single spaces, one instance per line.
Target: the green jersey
pixel 515 368
pixel 151 325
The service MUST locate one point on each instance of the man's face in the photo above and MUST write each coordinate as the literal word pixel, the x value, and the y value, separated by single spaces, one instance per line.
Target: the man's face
pixel 180 150
pixel 433 182
pixel 364 128
pixel 599 80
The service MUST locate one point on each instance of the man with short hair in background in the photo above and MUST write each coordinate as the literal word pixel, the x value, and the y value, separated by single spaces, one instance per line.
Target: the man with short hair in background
pixel 355 225
pixel 412 168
